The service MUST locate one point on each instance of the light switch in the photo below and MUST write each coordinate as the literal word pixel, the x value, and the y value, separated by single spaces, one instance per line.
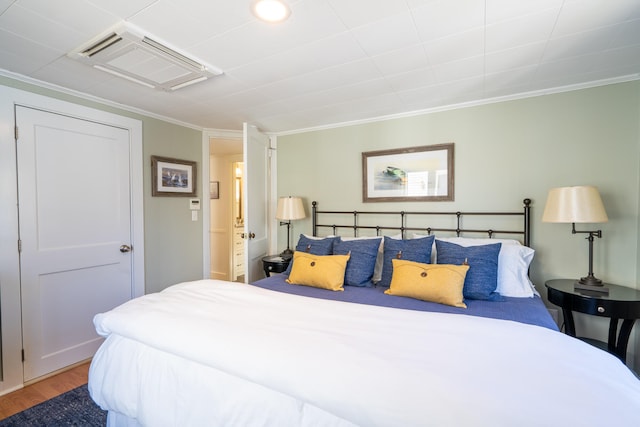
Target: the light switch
pixel 194 215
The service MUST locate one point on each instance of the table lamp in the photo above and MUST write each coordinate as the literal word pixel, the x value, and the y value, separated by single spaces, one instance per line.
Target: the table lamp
pixel 580 204
pixel 289 208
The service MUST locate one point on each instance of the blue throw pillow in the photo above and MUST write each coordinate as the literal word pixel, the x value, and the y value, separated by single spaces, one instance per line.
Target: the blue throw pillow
pixel 482 278
pixel 313 246
pixel 362 261
pixel 417 250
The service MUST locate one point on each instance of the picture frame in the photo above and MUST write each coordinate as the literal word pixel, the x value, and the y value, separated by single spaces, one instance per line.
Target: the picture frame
pixel 173 177
pixel 413 174
pixel 214 189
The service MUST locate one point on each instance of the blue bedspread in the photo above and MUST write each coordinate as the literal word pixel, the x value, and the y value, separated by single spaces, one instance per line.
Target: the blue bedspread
pixel 525 310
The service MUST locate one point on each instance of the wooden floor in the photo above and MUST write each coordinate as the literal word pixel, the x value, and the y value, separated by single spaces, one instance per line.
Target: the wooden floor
pixel 40 391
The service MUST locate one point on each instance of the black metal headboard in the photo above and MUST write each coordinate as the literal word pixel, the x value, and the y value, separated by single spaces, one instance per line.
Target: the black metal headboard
pixel 402 224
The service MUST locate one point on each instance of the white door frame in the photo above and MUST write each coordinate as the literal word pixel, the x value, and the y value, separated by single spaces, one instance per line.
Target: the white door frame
pixel 207 134
pixel 10 315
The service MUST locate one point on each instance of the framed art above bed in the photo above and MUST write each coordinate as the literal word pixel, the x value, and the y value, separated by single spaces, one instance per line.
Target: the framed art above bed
pixel 408 174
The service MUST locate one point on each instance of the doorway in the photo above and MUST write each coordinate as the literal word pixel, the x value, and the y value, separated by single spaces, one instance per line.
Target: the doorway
pixel 237 256
pixel 226 217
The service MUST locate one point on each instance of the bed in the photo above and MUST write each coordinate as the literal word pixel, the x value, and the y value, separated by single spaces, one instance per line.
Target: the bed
pixel 275 353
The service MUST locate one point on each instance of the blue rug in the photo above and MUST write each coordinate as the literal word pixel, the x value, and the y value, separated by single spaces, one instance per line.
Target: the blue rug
pixel 73 408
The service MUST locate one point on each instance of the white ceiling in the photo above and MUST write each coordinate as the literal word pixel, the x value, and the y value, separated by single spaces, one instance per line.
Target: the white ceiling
pixel 333 61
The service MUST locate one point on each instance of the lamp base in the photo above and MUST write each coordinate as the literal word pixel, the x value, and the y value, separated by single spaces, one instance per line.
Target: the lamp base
pixel 287 253
pixel 592 284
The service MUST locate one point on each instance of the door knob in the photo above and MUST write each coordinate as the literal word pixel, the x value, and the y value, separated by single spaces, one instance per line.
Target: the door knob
pixel 252 235
pixel 125 248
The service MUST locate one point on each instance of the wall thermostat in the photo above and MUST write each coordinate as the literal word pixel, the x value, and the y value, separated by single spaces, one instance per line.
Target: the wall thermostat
pixel 194 204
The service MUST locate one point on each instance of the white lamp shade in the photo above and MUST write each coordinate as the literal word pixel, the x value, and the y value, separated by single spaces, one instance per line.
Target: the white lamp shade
pixel 290 208
pixel 580 204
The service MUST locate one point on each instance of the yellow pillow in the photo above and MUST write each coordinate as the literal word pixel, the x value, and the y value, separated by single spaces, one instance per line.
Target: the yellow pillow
pixel 319 271
pixel 441 283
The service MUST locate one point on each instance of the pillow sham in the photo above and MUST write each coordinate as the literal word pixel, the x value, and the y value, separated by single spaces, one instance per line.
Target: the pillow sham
pixel 439 283
pixel 482 278
pixel 362 261
pixel 513 265
pixel 313 245
pixel 319 271
pixel 418 250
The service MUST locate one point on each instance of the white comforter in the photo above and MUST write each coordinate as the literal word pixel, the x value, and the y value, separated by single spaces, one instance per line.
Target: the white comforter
pixel 218 353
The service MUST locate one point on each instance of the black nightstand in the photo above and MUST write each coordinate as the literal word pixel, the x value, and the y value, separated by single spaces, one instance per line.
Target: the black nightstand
pixel 621 303
pixel 275 264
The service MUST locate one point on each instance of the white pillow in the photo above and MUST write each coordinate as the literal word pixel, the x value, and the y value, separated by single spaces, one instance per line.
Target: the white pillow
pixel 513 265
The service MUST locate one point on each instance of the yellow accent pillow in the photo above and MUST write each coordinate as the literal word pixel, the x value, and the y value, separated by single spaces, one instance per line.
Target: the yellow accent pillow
pixel 441 283
pixel 319 271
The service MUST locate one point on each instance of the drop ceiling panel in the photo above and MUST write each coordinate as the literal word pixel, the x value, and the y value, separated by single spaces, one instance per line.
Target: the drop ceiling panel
pixel 505 10
pixel 355 13
pixel 72 14
pixel 172 25
pixel 399 32
pixel 456 47
pixel 520 31
pixel 38 29
pixel 445 18
pixel 402 60
pixel 23 56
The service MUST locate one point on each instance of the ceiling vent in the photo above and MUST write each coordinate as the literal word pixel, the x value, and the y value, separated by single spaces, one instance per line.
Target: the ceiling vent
pixel 126 52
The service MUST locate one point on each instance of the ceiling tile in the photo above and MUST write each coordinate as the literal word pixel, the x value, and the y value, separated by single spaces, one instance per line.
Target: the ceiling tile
pixel 444 18
pixel 388 34
pixel 506 10
pixel 123 9
pixel 39 29
pixel 455 47
pixel 73 15
pixel 458 70
pixel 580 44
pixel 412 79
pixel 340 75
pixel 355 13
pixel 584 15
pixel 517 57
pixel 520 31
pixel 23 56
pixel 168 23
pixel 402 60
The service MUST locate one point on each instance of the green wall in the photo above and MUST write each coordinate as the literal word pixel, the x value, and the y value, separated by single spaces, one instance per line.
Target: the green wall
pixel 504 152
pixel 173 243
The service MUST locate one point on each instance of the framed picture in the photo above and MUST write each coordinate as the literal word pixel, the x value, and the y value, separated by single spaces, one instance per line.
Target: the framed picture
pixel 173 177
pixel 408 174
pixel 214 189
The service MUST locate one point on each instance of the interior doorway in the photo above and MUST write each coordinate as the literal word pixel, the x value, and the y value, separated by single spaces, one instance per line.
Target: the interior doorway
pixel 237 256
pixel 226 204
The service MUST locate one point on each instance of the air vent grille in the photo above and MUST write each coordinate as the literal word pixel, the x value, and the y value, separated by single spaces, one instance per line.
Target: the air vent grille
pixel 126 52
pixel 102 44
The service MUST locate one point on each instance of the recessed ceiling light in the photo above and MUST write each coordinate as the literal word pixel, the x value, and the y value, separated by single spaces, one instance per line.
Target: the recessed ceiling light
pixel 270 10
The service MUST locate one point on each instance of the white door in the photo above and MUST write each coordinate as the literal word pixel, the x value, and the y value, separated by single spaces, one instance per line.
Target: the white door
pixel 256 185
pixel 75 232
